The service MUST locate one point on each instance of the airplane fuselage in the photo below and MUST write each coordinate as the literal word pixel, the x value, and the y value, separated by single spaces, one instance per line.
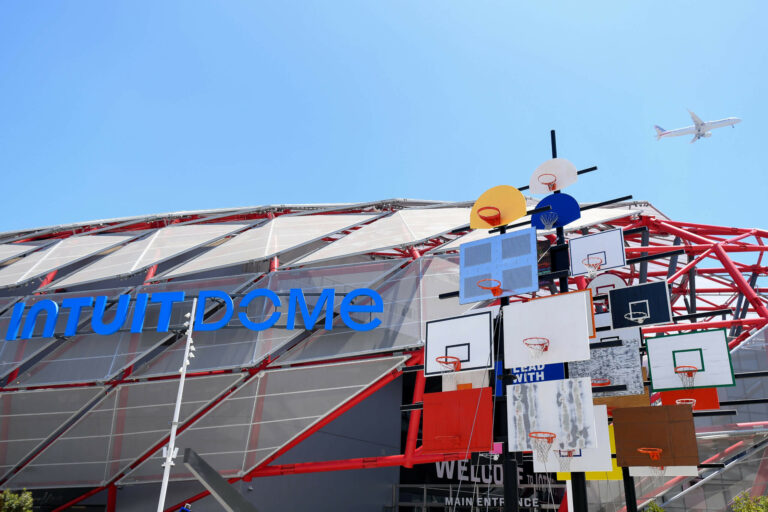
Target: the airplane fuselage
pixel 698 130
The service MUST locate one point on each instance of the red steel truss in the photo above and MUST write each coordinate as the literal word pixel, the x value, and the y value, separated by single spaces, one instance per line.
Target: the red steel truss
pixel 720 269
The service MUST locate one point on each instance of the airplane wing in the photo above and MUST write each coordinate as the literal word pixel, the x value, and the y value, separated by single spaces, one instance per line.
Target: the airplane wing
pixel 696 119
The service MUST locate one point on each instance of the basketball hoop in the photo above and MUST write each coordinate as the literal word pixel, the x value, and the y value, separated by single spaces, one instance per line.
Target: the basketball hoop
pixel 686 401
pixel 542 443
pixel 600 383
pixel 653 454
pixel 536 346
pixel 490 214
pixel 492 285
pixel 636 316
pixel 449 363
pixel 687 375
pixel 548 219
pixel 564 458
pixel 592 264
pixel 549 181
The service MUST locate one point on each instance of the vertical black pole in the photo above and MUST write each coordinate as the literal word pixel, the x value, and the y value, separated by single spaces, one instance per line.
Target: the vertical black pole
pixel 629 491
pixel 578 480
pixel 509 460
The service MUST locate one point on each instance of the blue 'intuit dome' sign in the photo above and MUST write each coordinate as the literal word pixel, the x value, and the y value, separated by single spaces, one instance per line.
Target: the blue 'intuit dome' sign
pixel 296 302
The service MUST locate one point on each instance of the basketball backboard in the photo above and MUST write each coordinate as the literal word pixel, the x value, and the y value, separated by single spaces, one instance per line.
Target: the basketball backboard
pixel 468 338
pixel 562 407
pixel 604 283
pixel 605 246
pixel 640 305
pixel 705 399
pixel 561 321
pixel 612 366
pixel 586 459
pixel 498 266
pixel 669 471
pixel 601 285
pixel 667 427
pixel 458 421
pixel 552 175
pixel 631 334
pixel 564 209
pixel 587 294
pixel 496 207
pixel 707 351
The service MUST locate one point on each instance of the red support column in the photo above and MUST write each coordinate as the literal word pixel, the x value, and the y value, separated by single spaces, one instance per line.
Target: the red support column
pixel 415 420
pixel 111 498
pixel 741 283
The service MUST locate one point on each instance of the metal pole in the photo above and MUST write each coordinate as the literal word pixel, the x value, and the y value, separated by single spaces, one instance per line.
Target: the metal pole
pixel 629 491
pixel 169 455
pixel 578 480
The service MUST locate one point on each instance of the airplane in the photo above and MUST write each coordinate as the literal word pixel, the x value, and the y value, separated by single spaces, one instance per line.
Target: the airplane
pixel 699 129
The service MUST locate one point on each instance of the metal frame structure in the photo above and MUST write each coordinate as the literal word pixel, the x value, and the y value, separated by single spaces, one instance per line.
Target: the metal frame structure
pixel 718 269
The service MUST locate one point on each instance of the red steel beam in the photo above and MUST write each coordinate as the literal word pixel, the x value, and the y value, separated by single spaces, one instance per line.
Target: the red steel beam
pixel 415 419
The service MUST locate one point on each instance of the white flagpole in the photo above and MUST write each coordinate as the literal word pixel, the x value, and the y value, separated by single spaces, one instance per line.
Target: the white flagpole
pixel 171 450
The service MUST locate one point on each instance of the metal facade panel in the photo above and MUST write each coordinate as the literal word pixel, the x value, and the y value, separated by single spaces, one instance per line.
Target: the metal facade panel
pixel 57 255
pixel 404 227
pixel 127 423
pixel 28 418
pixel 237 346
pixel 266 414
pixel 410 300
pixel 267 240
pixel 159 246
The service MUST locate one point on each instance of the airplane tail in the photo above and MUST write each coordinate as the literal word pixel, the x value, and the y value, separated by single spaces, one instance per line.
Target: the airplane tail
pixel 659 131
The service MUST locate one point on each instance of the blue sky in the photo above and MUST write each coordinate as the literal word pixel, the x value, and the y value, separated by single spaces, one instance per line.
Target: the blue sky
pixel 110 109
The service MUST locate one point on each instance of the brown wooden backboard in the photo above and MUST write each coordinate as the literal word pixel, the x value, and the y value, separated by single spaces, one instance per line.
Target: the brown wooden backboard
pixel 669 427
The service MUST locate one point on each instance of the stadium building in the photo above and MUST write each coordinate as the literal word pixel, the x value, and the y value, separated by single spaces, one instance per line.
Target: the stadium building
pixel 308 412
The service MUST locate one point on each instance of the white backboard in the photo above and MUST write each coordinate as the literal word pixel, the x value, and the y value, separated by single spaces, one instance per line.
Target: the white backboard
pixel 562 407
pixel 554 174
pixel 561 319
pixel 468 337
pixel 669 471
pixel 606 245
pixel 587 459
pixel 706 350
pixel 603 283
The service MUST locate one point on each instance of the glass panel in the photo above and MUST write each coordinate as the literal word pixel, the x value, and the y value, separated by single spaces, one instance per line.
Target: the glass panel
pixel 404 227
pixel 410 300
pixel 237 346
pixel 129 421
pixel 266 413
pixel 29 417
pixel 267 240
pixel 161 245
pixel 57 255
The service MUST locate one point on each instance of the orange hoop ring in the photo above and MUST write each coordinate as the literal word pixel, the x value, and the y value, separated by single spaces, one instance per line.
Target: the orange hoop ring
pixel 449 360
pixel 492 215
pixel 598 383
pixel 494 289
pixel 547 436
pixel 653 453
pixel 551 184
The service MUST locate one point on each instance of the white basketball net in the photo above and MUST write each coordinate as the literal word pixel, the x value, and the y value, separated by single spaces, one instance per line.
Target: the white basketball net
pixel 564 458
pixel 687 376
pixel 548 219
pixel 541 447
pixel 658 471
pixel 536 346
pixel 592 265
